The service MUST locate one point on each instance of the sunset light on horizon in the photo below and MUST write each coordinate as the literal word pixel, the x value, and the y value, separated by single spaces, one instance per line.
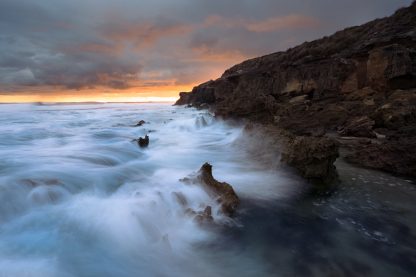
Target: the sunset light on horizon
pixel 149 94
pixel 128 51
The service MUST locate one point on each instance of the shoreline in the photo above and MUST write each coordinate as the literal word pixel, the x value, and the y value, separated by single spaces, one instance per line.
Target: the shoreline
pixel 355 89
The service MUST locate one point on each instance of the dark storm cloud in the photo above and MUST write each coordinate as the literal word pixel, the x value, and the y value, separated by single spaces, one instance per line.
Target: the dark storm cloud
pixel 122 44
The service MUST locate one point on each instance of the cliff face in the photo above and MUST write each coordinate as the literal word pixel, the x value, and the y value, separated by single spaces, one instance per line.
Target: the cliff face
pixel 359 82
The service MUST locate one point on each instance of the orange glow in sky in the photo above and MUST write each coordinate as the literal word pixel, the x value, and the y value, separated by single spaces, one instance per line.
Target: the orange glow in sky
pixel 141 94
pixel 134 51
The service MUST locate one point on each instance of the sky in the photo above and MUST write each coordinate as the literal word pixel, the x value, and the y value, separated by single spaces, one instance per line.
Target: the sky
pixel 139 50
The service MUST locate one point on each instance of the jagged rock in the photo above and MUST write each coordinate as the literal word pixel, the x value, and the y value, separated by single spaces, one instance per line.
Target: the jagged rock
pixel 143 142
pixel 367 71
pixel 201 217
pixel 222 191
pixel 313 157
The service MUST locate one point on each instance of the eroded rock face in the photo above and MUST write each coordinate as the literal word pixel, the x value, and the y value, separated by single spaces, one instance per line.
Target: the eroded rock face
pixel 313 157
pixel 359 80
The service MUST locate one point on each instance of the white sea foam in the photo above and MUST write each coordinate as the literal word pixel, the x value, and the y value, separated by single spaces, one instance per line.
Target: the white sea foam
pixel 80 198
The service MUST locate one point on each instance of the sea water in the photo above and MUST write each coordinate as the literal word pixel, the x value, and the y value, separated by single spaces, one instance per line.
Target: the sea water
pixel 79 197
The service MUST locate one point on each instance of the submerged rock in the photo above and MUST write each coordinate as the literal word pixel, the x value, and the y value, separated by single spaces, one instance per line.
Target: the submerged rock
pixel 140 123
pixel 180 198
pixel 48 195
pixel 223 192
pixel 143 142
pixel 201 217
pixel 205 216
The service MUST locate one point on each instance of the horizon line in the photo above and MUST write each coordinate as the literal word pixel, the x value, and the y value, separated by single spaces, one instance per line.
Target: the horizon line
pixel 125 100
pixel 86 102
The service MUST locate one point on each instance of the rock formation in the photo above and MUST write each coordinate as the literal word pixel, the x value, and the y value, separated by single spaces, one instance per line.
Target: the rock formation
pixel 202 217
pixel 359 82
pixel 221 191
pixel 143 142
pixel 314 158
pixel 140 123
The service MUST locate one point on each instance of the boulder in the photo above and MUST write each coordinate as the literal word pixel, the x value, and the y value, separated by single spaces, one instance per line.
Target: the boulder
pixel 143 142
pixel 313 157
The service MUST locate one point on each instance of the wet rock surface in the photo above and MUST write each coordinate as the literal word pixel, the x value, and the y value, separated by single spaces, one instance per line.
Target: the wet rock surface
pixel 224 192
pixel 313 157
pixel 360 81
pixel 221 191
pixel 143 142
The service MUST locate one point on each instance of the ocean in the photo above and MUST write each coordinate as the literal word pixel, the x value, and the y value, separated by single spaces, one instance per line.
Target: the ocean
pixel 79 197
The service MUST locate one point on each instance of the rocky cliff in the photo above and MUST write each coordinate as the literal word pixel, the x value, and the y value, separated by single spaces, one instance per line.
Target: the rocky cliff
pixel 358 86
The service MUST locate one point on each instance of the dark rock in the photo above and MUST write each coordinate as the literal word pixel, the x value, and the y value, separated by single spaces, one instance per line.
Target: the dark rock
pixel 313 157
pixel 140 123
pixel 223 192
pixel 396 155
pixel 361 78
pixel 143 142
pixel 184 99
pixel 201 96
pixel 398 112
pixel 358 127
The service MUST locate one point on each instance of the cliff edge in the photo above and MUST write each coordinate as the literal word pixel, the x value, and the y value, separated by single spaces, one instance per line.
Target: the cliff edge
pixel 357 86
